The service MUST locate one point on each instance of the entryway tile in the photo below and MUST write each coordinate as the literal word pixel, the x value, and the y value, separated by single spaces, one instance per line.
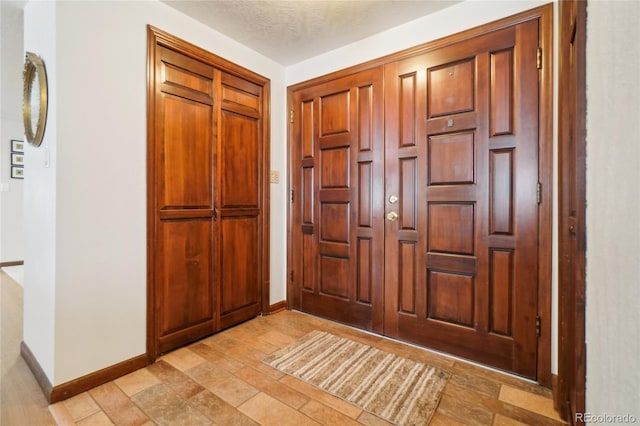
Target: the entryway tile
pixel 118 406
pixel 182 384
pixel 219 411
pixel 183 359
pixel 528 401
pixel 228 384
pixel 269 411
pixel 137 381
pixel 97 419
pixel 81 406
pixel 325 415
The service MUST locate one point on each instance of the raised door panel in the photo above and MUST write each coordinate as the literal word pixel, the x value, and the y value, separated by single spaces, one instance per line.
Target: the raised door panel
pixel 239 268
pixel 186 154
pixel 185 296
pixel 404 106
pixel 239 161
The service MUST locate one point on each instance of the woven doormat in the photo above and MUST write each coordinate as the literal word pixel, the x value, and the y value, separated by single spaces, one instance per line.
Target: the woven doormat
pixel 399 390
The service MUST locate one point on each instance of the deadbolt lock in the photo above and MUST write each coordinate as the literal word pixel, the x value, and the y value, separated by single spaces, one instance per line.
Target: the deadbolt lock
pixel 393 199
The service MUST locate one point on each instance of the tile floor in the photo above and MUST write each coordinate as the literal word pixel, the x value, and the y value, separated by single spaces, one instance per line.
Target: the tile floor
pixel 222 381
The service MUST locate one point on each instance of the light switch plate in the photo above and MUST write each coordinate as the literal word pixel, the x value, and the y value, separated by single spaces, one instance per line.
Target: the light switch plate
pixel 275 176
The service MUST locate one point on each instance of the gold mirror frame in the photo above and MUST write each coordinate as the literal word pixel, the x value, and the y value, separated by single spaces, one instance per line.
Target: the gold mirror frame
pixel 34 67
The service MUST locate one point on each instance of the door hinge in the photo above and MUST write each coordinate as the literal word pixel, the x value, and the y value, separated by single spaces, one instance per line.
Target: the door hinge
pixel 539 58
pixel 291 275
pixel 292 195
pixel 291 116
pixel 539 193
pixel 537 326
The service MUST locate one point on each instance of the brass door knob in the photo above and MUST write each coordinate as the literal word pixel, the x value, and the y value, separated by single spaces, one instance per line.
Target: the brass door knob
pixel 392 216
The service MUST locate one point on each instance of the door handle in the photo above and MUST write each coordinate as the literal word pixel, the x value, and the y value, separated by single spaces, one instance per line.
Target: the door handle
pixel 392 216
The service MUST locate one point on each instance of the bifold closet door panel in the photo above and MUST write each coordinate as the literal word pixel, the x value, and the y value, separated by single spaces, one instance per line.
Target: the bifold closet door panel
pixel 239 179
pixel 185 303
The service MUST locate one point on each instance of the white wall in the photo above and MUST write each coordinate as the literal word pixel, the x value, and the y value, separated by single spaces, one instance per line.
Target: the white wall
pixel 40 201
pixel 97 142
pixel 613 208
pixel 11 190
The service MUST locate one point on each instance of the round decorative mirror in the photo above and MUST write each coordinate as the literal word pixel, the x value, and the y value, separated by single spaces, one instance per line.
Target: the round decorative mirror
pixel 34 106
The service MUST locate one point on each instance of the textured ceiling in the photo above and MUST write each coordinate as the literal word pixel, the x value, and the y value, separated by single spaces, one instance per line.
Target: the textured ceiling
pixel 292 31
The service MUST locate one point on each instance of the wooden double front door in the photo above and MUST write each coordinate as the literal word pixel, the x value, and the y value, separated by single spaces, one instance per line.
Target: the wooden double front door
pixel 207 208
pixel 415 198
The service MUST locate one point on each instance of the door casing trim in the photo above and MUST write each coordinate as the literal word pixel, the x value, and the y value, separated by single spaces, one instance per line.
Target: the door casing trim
pixel 570 395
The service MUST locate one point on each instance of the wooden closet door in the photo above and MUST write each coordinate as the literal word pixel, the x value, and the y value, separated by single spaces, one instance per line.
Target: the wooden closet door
pixel 462 160
pixel 337 237
pixel 184 205
pixel 208 149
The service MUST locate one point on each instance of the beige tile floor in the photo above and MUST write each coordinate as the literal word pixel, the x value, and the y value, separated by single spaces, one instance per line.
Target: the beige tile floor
pixel 221 381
